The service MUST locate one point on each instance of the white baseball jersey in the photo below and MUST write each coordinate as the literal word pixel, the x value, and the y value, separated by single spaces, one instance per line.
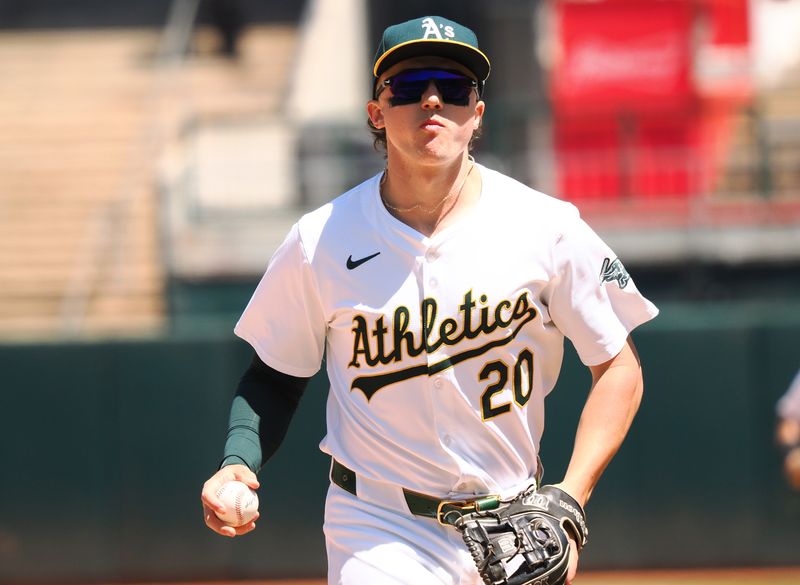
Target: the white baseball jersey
pixel 440 350
pixel 789 404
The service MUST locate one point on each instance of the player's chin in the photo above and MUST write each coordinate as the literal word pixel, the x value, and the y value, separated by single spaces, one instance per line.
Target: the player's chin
pixel 436 152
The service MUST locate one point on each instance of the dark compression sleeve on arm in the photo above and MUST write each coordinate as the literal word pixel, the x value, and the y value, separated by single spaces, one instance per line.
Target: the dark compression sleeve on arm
pixel 262 408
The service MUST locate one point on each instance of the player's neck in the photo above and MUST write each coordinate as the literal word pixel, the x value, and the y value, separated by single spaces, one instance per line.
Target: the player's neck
pixel 428 198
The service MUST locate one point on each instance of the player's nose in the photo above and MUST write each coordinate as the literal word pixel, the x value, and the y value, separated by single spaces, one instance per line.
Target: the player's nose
pixel 432 99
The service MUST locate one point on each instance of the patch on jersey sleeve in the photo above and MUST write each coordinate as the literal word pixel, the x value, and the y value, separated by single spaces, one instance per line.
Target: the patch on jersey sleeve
pixel 613 270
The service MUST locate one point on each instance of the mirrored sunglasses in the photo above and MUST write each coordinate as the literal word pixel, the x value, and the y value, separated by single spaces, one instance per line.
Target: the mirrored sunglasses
pixel 408 86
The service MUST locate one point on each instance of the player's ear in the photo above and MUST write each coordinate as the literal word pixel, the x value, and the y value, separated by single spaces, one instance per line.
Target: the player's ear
pixel 375 113
pixel 480 107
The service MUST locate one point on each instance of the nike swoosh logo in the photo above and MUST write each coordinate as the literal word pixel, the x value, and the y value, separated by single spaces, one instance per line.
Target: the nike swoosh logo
pixel 351 264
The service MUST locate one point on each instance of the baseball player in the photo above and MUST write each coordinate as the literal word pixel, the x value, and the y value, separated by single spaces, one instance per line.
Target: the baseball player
pixel 440 292
pixel 788 432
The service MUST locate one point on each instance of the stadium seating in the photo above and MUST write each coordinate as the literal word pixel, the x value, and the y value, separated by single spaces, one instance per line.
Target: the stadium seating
pixel 85 118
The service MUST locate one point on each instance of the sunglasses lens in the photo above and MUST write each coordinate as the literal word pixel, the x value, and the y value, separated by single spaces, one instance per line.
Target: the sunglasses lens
pixel 455 91
pixel 407 91
pixel 409 86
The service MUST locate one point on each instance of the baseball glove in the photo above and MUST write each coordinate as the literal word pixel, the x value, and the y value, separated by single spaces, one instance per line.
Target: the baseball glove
pixel 524 541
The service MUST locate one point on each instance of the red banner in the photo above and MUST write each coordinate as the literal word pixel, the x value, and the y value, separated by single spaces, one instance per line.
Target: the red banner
pixel 643 94
pixel 623 55
pixel 723 68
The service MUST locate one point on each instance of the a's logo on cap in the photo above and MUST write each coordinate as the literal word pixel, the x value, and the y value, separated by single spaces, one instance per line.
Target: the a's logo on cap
pixel 432 30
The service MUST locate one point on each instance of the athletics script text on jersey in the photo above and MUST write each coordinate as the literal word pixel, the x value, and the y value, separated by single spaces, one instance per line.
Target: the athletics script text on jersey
pixel 374 343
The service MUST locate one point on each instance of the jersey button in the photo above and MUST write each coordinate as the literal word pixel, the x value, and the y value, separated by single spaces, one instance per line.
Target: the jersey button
pixel 437 383
pixel 433 283
pixel 430 256
pixel 447 439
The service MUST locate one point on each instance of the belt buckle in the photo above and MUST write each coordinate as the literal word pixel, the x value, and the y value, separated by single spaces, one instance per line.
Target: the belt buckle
pixel 462 507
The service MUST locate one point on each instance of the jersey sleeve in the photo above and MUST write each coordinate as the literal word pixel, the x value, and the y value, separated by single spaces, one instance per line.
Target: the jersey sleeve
pixel 592 299
pixel 789 404
pixel 284 320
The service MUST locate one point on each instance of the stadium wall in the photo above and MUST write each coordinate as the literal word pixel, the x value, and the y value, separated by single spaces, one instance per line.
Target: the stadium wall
pixel 106 445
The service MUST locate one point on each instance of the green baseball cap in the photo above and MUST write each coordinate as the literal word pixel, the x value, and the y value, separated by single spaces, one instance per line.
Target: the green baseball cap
pixel 431 36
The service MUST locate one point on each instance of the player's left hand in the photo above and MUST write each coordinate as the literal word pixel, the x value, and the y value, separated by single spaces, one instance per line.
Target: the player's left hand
pixel 572 570
pixel 574 553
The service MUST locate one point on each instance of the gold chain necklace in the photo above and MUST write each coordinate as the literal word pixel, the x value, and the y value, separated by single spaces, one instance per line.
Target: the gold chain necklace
pixel 427 210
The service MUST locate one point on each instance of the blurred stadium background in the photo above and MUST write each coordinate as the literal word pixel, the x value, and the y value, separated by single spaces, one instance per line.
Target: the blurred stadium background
pixel 153 154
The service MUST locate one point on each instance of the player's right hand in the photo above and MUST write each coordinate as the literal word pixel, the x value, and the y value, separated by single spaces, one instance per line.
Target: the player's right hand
pixel 211 502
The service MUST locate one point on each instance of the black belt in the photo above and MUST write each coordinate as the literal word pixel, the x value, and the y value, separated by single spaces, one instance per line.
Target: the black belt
pixel 444 511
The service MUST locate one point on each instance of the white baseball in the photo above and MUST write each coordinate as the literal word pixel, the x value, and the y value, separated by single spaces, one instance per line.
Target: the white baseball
pixel 241 503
